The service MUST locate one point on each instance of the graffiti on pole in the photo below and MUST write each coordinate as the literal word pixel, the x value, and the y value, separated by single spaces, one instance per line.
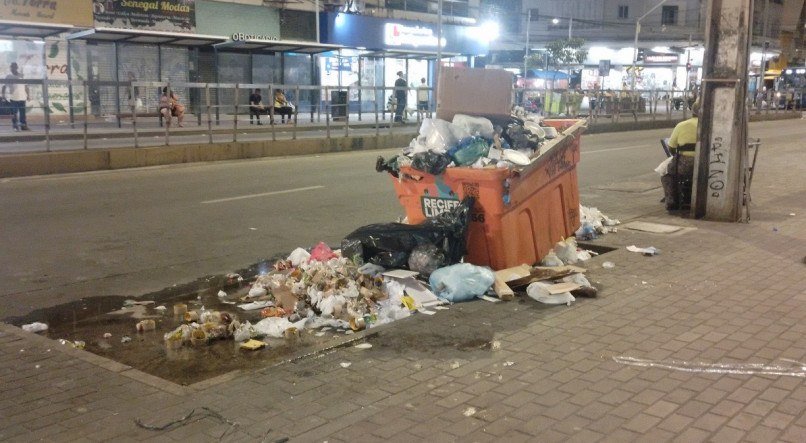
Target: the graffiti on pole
pixel 717 167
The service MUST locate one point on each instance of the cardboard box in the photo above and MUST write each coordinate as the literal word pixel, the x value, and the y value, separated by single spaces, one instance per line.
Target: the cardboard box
pixel 473 91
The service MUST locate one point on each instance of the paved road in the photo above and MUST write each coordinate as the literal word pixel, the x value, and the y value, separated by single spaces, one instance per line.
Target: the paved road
pixel 130 232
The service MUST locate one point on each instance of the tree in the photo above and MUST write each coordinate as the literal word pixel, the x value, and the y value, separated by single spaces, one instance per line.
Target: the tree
pixel 561 53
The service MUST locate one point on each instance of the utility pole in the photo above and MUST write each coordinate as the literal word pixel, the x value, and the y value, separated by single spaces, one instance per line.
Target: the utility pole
pixel 570 26
pixel 721 157
pixel 526 53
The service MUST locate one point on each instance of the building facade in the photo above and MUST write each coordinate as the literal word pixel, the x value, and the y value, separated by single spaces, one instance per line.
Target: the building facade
pixel 670 38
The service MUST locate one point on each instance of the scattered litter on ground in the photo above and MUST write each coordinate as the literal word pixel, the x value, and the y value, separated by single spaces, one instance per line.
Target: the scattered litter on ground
pixel 490 299
pixel 128 303
pixel 345 364
pixel 495 345
pixel 648 251
pixel 507 363
pixel 78 344
pixel 255 305
pixel 594 223
pixel 363 346
pixel 469 412
pixel 107 335
pixel 608 265
pixel 35 327
pixel 791 214
pixel 146 325
pixel 793 369
pixel 125 339
pixel 252 345
pixel 161 308
pixel 222 294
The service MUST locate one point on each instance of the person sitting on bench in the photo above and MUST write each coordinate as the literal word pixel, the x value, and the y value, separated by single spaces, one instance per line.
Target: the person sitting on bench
pixel 684 139
pixel 281 106
pixel 255 107
pixel 170 107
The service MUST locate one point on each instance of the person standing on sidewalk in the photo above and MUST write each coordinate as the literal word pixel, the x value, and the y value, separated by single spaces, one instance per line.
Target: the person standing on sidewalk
pixel 18 96
pixel 400 96
pixel 422 98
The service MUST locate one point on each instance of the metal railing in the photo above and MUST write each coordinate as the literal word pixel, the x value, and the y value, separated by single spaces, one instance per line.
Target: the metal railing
pixel 216 110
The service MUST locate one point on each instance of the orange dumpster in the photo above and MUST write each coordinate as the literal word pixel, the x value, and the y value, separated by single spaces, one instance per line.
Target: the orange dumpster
pixel 519 214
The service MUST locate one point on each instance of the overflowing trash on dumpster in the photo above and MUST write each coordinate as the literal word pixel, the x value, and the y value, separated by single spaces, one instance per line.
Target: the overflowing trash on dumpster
pixel 471 142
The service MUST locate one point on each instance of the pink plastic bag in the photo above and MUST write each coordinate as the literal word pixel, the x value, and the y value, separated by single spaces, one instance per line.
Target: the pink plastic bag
pixel 322 252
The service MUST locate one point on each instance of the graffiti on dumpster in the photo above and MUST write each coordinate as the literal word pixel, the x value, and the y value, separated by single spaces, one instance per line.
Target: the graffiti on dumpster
pixel 558 162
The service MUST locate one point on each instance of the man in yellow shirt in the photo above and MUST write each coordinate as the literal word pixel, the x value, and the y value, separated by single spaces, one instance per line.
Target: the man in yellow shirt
pixel 684 137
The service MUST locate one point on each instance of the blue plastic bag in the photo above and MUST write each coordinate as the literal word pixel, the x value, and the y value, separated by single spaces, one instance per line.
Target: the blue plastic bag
pixel 461 282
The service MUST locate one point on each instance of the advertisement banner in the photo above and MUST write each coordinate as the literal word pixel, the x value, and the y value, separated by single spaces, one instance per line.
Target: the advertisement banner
pixel 151 15
pixel 65 12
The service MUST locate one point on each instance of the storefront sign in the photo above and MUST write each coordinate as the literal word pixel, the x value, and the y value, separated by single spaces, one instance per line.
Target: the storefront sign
pixel 660 58
pixel 241 37
pixel 68 12
pixel 396 34
pixel 152 15
pixel 359 31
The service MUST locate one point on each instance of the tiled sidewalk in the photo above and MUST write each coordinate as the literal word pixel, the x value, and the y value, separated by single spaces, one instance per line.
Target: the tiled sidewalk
pixel 517 371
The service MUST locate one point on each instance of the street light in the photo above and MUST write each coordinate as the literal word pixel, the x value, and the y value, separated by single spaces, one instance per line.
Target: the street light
pixel 635 44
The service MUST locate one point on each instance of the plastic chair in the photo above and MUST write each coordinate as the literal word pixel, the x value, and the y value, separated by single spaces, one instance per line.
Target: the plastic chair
pixel 682 182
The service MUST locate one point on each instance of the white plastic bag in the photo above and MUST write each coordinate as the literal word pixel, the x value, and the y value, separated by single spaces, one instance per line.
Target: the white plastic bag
pixel 474 125
pixel 566 251
pixel 298 256
pixel 35 327
pixel 551 259
pixel 539 291
pixel 441 138
pixel 461 282
pixel 663 167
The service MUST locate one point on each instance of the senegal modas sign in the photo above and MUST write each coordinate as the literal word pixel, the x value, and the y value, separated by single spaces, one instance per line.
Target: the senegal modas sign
pixel 152 15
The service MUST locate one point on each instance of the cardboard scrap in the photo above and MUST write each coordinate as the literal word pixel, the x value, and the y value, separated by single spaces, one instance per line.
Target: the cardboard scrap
pixel 514 273
pixel 559 288
pixel 540 273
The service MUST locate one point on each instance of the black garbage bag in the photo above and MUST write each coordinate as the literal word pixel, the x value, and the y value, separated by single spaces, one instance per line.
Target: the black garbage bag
pixel 389 165
pixel 430 162
pixel 519 137
pixel 426 259
pixel 390 244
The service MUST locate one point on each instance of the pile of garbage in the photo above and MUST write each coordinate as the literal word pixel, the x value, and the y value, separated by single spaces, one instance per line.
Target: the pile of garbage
pixel 471 142
pixel 594 223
